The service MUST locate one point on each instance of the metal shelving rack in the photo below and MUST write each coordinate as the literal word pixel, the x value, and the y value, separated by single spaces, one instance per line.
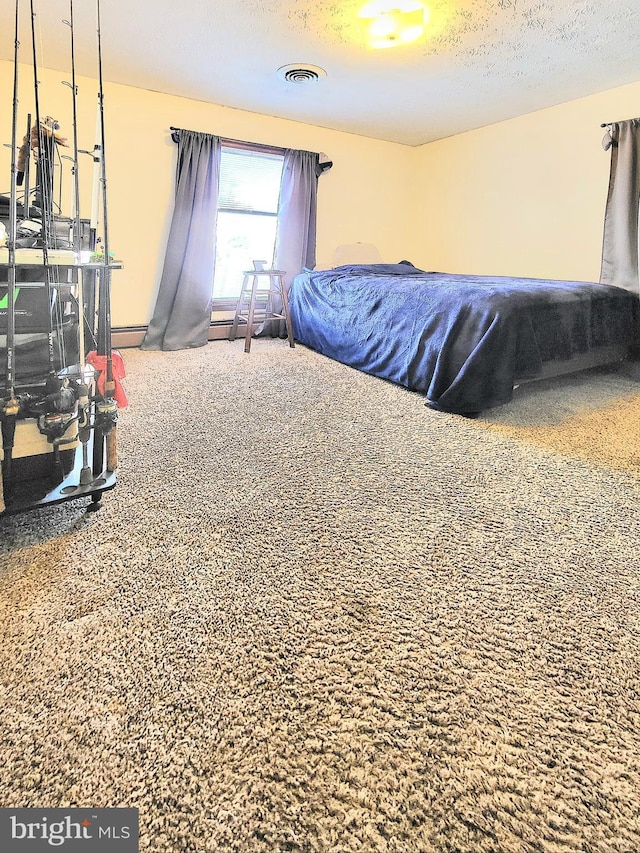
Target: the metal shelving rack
pixel 58 407
pixel 41 472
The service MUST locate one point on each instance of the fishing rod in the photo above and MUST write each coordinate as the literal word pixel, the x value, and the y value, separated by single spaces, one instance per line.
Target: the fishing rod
pixel 107 407
pixel 10 404
pixel 90 275
pixel 74 102
pixel 58 410
pixel 95 155
pixel 26 203
pixel 83 390
pixel 24 161
pixel 42 178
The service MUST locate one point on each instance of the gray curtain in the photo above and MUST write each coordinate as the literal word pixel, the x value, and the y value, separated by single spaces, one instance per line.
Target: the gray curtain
pixel 296 234
pixel 620 247
pixel 296 231
pixel 183 308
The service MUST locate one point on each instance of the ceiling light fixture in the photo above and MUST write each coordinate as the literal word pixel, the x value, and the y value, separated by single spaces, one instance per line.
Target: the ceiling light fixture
pixel 391 23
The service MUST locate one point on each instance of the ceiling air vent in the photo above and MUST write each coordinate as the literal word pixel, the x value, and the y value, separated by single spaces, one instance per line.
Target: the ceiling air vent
pixel 301 73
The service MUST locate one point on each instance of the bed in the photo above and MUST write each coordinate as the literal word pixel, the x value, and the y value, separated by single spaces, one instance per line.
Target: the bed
pixel 464 341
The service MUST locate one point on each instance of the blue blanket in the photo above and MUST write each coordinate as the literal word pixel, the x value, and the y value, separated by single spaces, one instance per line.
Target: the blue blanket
pixel 464 341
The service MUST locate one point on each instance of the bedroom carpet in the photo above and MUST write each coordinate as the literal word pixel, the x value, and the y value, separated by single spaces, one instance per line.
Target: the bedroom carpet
pixel 315 615
pixel 594 415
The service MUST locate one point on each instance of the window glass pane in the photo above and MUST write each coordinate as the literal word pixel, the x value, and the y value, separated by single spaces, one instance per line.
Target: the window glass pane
pixel 241 239
pixel 249 181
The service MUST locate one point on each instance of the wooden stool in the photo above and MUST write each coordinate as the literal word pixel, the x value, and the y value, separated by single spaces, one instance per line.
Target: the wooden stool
pixel 255 303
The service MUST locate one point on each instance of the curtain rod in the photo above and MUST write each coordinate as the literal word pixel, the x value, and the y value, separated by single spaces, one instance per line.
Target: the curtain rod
pixel 609 123
pixel 175 135
pixel 324 165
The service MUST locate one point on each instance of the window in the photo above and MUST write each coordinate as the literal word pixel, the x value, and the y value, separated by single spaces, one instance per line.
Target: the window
pixel 247 217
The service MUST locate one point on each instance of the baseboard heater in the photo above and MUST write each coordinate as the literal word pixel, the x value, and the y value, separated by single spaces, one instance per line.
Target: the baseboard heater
pixel 132 336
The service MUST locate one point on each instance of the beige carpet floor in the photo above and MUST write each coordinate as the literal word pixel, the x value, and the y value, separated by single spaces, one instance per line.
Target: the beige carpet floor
pixel 315 615
pixel 594 415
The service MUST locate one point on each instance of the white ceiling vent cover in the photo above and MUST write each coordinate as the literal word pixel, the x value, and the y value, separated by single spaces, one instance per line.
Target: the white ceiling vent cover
pixel 297 73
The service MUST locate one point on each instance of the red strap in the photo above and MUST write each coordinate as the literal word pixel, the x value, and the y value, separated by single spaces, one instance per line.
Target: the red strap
pixel 99 362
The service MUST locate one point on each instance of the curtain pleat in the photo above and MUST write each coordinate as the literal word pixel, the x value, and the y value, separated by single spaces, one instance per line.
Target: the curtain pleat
pixel 620 248
pixel 182 312
pixel 296 232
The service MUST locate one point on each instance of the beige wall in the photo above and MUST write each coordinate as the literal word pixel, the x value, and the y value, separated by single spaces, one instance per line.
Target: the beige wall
pixel 522 197
pixel 360 199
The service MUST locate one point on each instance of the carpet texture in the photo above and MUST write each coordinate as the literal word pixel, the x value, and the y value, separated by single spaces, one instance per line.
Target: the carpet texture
pixel 594 415
pixel 315 615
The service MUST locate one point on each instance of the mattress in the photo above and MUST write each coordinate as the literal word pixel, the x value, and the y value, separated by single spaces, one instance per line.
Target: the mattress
pixel 462 340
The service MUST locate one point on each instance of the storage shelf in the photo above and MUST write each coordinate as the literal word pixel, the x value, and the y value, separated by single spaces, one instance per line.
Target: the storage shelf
pixel 39 491
pixel 55 258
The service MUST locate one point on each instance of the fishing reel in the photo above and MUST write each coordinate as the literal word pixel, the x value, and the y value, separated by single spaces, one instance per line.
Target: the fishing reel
pixel 56 411
pixel 10 408
pixel 55 414
pixel 105 423
pixel 8 414
pixel 84 412
pixel 54 426
pixel 106 414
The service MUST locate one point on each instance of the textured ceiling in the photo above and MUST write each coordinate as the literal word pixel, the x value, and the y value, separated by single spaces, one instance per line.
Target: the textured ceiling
pixel 483 61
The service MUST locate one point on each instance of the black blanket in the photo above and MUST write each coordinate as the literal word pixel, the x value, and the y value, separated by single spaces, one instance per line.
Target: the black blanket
pixel 464 341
